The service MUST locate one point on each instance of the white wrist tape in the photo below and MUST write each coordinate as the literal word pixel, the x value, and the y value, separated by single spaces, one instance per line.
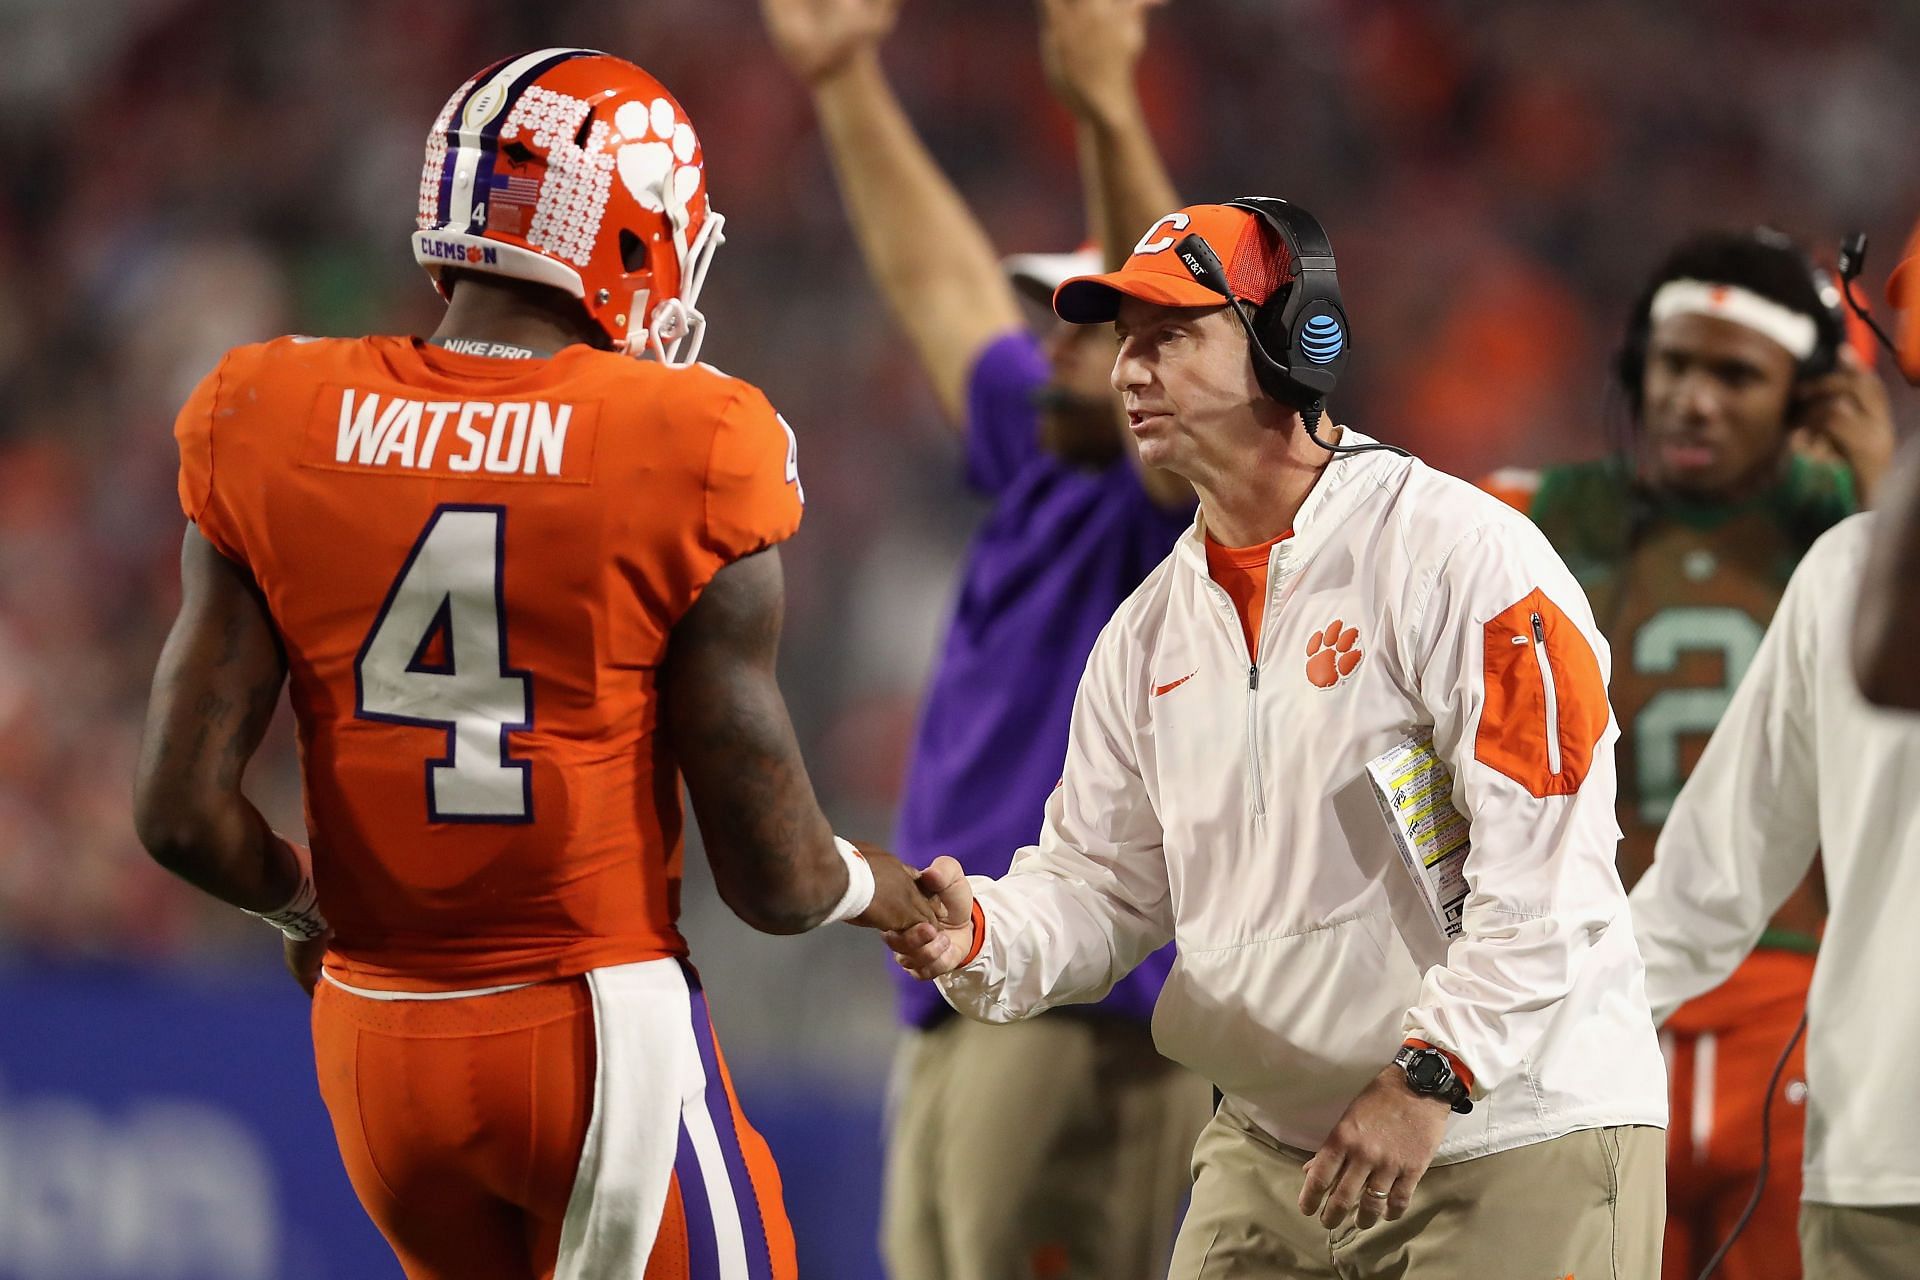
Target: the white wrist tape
pixel 300 920
pixel 859 894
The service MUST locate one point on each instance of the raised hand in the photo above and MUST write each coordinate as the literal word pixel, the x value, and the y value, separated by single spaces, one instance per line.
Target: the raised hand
pixel 1845 417
pixel 1090 49
pixel 928 950
pixel 818 37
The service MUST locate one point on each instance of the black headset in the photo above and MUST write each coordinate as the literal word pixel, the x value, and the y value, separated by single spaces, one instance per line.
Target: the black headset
pixel 1852 260
pixel 1830 326
pixel 1304 323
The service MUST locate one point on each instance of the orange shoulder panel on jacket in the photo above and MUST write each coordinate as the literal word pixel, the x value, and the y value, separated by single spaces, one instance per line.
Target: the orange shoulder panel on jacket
pixel 1545 703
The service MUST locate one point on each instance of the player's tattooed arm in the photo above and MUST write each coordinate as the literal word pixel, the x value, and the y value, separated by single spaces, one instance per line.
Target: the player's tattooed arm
pixel 1888 616
pixel 771 847
pixel 213 696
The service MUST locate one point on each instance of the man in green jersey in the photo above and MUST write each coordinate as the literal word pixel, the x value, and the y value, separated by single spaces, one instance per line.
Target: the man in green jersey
pixel 1754 429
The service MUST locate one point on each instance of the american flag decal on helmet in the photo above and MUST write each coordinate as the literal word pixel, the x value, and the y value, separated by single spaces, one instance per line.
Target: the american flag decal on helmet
pixel 457 180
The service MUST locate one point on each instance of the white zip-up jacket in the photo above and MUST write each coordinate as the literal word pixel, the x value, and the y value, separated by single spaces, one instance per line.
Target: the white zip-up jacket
pixel 1802 763
pixel 1219 799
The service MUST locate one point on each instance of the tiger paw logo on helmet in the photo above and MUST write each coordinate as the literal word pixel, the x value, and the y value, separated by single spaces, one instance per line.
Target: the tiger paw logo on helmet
pixel 579 171
pixel 1333 652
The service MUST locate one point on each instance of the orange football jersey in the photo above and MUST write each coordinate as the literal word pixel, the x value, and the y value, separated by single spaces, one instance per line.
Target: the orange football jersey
pixel 475 565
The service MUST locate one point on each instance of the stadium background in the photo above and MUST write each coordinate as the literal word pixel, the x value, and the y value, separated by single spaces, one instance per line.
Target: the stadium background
pixel 184 175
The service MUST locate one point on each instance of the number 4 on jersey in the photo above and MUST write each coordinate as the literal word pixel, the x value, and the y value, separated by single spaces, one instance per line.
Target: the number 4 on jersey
pixel 449 590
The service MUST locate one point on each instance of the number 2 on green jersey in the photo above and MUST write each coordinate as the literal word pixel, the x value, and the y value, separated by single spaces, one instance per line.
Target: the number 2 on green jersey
pixel 1673 713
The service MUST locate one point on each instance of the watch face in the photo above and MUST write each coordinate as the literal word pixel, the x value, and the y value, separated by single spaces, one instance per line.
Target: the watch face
pixel 1426 1071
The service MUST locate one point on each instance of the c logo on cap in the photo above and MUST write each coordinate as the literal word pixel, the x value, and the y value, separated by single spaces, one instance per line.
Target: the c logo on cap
pixel 1172 222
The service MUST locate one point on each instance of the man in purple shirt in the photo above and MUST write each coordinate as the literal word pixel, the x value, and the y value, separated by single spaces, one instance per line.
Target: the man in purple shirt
pixel 1060 1146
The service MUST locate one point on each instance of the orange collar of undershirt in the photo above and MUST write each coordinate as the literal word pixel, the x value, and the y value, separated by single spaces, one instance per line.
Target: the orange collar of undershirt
pixel 1254 557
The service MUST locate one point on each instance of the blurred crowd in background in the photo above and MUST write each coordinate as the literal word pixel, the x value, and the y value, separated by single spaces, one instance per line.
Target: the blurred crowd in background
pixel 180 176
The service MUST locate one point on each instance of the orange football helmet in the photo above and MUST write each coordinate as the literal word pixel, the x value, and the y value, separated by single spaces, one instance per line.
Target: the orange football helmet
pixel 577 170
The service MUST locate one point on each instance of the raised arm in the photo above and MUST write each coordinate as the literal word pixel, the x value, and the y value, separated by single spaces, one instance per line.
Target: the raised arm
pixel 930 257
pixel 213 696
pixel 1091 51
pixel 771 848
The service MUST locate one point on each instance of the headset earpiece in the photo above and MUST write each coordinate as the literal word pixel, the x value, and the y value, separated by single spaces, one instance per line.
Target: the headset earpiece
pixel 1302 329
pixel 1297 337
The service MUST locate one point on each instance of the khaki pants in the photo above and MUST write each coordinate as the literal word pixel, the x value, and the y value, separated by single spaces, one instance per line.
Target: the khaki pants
pixel 1843 1242
pixel 1055 1147
pixel 1591 1204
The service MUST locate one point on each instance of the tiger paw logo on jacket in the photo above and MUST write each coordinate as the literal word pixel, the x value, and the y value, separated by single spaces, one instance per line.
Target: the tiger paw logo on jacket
pixel 1332 654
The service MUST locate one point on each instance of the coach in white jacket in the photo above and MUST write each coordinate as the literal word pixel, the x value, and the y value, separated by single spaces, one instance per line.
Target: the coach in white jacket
pixel 1802 764
pixel 1325 609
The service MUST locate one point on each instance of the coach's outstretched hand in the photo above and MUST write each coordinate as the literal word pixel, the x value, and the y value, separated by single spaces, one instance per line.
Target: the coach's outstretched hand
pixel 818 37
pixel 928 950
pixel 899 901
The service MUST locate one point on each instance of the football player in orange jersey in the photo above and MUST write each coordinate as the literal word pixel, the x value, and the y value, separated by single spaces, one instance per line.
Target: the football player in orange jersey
pixel 521 585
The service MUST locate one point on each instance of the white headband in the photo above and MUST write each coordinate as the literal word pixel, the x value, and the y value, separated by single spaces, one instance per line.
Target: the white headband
pixel 1792 330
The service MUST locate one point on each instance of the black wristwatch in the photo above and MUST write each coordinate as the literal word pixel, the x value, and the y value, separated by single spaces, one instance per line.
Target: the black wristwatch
pixel 1429 1072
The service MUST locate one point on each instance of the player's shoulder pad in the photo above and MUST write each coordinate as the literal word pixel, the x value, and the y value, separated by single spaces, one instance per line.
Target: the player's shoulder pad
pixel 1515 486
pixel 694 388
pixel 298 346
pixel 292 354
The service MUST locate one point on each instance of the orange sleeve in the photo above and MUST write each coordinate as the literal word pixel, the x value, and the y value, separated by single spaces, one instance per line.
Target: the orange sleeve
pixel 193 433
pixel 753 494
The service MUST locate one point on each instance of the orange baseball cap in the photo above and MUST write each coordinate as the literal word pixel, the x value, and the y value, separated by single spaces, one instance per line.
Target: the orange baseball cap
pixel 1256 261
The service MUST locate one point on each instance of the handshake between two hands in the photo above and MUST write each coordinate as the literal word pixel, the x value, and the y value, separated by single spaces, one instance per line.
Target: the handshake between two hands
pixel 1369 1165
pixel 926 916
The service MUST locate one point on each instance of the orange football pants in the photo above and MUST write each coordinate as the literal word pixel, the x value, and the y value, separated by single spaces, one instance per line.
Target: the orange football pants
pixel 461 1124
pixel 1721 1050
